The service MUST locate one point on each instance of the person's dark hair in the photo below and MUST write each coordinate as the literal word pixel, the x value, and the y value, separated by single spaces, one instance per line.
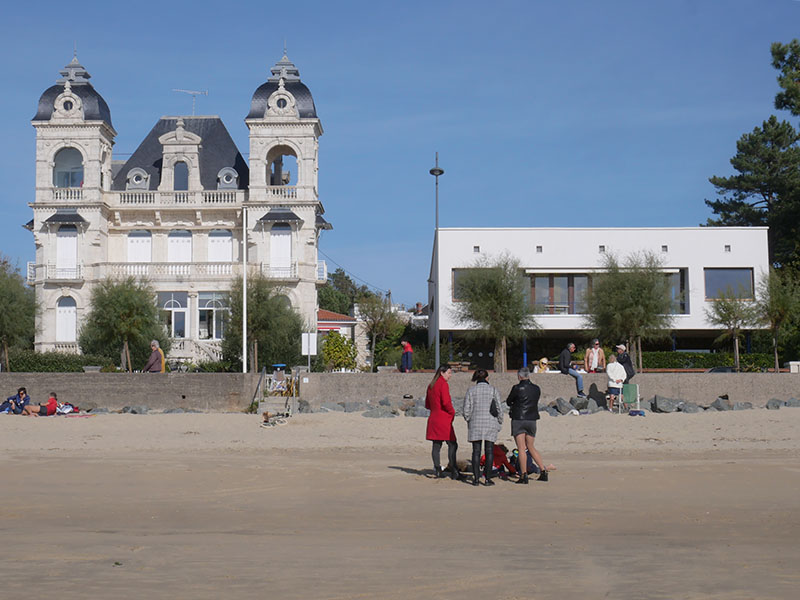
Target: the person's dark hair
pixel 22 389
pixel 442 368
pixel 53 396
pixel 480 375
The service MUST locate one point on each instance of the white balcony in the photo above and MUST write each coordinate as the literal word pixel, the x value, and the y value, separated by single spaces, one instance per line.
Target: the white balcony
pixel 155 198
pixel 322 271
pixel 279 272
pixel 165 271
pixel 31 273
pixel 57 273
pixel 67 194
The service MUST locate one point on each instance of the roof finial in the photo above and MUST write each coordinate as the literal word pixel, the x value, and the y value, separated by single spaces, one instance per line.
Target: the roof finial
pixel 75 49
pixel 284 47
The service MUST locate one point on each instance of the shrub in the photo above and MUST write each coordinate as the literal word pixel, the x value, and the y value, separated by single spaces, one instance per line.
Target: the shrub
pixel 705 360
pixel 30 361
pixel 219 366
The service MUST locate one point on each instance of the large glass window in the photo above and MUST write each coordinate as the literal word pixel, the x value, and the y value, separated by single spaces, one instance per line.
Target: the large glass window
pixel 679 303
pixel 173 307
pixel 68 169
pixel 560 294
pixel 181 177
pixel 213 315
pixel 731 281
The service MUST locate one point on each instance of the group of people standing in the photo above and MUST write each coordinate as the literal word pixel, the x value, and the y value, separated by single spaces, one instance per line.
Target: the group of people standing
pixel 484 416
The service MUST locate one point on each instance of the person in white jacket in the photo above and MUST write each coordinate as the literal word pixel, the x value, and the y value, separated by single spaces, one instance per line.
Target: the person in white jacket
pixel 616 375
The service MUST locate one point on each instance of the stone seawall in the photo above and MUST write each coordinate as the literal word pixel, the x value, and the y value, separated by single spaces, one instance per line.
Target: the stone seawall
pixel 700 388
pixel 217 392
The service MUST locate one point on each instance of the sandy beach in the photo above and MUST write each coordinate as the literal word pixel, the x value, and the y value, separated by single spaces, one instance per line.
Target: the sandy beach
pixel 337 505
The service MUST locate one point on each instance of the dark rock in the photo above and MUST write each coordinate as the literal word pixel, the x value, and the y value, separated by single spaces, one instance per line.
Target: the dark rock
pixel 408 396
pixel 689 407
pixel 711 409
pixel 662 404
pixel 743 406
pixel 722 404
pixel 194 411
pixel 379 412
pixel 100 410
pixel 793 402
pixel 174 411
pixel 303 407
pixel 579 403
pixel 354 406
pixel 417 411
pixel 775 404
pixel 331 407
pixel 593 407
pixel 126 409
pixel 563 406
pixel 139 410
pixel 553 411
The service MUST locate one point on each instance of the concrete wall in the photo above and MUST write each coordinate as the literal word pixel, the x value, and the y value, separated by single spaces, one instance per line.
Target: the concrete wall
pixel 702 388
pixel 203 391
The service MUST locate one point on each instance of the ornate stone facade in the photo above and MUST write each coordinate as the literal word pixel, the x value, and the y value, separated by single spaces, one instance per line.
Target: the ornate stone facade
pixel 175 211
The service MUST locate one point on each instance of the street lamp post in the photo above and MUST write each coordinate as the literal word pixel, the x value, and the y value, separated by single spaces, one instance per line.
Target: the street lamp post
pixel 436 172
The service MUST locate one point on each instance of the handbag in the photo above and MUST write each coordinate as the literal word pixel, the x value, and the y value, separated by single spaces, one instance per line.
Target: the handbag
pixel 493 410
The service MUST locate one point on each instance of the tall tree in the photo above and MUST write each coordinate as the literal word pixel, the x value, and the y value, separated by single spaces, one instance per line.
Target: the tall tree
pixel 340 292
pixel 734 313
pixel 123 315
pixel 17 316
pixel 630 301
pixel 330 298
pixel 786 59
pixel 495 295
pixel 778 305
pixel 274 328
pixel 376 312
pixel 766 189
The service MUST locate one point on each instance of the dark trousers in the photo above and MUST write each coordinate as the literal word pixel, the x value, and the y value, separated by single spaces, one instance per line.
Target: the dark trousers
pixel 476 459
pixel 436 451
pixel 405 362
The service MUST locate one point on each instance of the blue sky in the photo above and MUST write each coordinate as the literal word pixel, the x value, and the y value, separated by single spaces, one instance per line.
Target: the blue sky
pixel 544 113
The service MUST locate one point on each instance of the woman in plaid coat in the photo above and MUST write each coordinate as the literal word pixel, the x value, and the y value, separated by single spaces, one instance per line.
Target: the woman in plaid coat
pixel 484 419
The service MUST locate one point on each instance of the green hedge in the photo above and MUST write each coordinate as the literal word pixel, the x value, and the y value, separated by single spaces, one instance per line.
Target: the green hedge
pixel 30 361
pixel 705 360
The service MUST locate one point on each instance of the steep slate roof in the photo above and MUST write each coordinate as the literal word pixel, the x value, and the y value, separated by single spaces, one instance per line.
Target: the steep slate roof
pixel 217 150
pixel 285 69
pixel 94 107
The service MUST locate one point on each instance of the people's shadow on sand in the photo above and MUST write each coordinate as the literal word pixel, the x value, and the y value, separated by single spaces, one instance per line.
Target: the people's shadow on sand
pixel 598 396
pixel 429 473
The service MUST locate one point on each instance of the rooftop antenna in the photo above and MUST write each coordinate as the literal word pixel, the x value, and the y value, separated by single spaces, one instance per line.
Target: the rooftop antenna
pixel 75 49
pixel 194 94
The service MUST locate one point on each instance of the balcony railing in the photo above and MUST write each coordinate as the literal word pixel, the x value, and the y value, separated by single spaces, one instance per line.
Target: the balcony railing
pixel 279 272
pixel 31 272
pixel 322 271
pixel 154 198
pixel 67 194
pixel 159 271
pixel 282 192
pixel 64 273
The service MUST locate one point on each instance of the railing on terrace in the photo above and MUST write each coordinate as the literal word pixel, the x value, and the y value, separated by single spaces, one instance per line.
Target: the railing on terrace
pixel 171 270
pixel 64 273
pixel 155 198
pixel 279 272
pixel 31 272
pixel 70 347
pixel 68 194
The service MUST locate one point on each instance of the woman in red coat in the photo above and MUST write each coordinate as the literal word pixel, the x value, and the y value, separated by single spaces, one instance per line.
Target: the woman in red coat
pixel 440 422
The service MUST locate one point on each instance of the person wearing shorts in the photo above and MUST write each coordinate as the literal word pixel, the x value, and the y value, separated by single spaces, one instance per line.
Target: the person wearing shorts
pixel 42 410
pixel 523 402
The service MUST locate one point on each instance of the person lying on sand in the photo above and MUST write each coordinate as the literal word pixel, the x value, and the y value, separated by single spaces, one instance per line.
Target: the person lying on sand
pixel 42 410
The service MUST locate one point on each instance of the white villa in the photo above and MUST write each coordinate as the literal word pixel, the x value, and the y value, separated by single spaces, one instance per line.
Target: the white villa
pixel 176 212
pixel 699 261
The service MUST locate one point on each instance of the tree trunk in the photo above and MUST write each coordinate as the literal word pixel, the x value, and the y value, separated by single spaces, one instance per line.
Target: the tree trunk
pixel 5 355
pixel 372 365
pixel 775 350
pixel 736 350
pixel 127 352
pixel 639 352
pixel 500 355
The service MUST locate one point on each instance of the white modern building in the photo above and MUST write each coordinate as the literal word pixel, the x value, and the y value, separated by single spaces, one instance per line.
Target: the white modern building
pixel 185 211
pixel 699 261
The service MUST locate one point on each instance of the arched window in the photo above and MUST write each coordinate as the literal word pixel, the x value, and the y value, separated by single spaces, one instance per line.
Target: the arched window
pixel 66 320
pixel 280 251
pixel 284 300
pixel 68 169
pixel 181 177
pixel 179 246
pixel 67 252
pixel 140 252
pixel 214 312
pixel 220 246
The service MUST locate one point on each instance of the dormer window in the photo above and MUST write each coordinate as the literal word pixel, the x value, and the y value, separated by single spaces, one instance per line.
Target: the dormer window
pixel 227 179
pixel 68 169
pixel 181 175
pixel 138 179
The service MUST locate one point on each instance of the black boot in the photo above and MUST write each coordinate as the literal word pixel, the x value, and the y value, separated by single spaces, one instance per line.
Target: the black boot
pixel 523 479
pixel 488 482
pixel 543 476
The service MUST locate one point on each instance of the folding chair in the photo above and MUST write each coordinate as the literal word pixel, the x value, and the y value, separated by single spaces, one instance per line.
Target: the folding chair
pixel 629 397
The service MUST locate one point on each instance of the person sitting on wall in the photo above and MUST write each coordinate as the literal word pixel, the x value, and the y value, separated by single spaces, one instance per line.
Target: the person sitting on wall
pixel 567 367
pixel 155 364
pixel 16 404
pixel 541 365
pixel 594 361
pixel 42 410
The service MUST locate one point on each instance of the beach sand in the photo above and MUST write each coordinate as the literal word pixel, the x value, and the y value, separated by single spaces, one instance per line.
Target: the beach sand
pixel 693 506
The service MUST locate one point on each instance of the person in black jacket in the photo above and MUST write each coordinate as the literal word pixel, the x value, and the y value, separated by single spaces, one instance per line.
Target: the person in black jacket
pixel 624 359
pixel 523 402
pixel 566 366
